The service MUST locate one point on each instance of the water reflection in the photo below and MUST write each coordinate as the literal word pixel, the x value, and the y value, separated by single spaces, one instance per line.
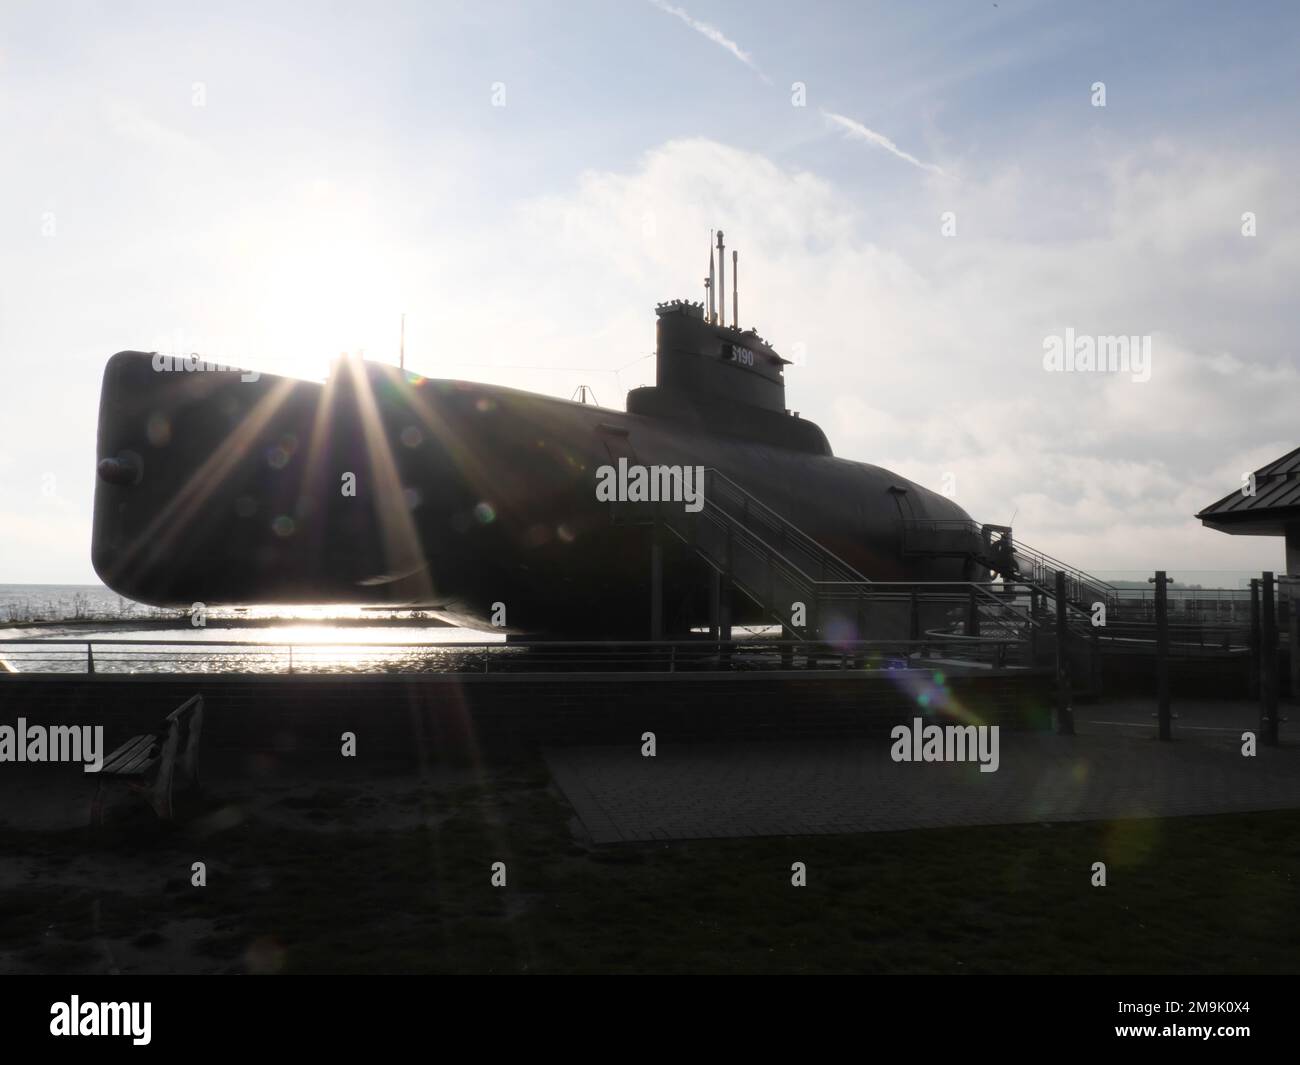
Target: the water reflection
pixel 295 648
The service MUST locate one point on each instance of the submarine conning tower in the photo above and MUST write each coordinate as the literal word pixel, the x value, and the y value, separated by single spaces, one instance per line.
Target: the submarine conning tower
pixel 719 378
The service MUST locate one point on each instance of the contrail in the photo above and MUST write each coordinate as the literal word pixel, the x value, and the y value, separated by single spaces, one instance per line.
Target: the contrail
pixel 715 35
pixel 857 129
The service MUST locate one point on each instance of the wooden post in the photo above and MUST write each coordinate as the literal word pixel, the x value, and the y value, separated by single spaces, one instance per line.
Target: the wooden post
pixel 1064 712
pixel 1161 581
pixel 1268 660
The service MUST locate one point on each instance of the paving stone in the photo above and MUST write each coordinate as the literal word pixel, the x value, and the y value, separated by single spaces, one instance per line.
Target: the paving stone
pixel 815 787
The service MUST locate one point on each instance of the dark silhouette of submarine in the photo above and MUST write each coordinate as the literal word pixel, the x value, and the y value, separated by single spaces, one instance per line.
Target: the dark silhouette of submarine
pixel 489 506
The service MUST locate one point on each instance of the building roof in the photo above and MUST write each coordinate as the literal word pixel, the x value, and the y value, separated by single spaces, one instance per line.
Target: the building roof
pixel 1274 506
pixel 1288 463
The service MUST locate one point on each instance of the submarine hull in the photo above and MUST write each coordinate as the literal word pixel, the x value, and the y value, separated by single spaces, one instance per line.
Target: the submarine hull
pixel 474 502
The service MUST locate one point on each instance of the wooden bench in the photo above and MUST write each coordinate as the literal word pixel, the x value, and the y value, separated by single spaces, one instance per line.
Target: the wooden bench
pixel 152 764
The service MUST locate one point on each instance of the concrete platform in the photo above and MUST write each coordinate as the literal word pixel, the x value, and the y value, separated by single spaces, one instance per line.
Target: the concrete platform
pixel 701 791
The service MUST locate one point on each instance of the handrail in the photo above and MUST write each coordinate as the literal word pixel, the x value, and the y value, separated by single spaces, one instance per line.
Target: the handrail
pixel 547 657
pixel 747 537
pixel 788 528
pixel 1041 560
pixel 1026 618
pixel 785 554
pixel 1080 577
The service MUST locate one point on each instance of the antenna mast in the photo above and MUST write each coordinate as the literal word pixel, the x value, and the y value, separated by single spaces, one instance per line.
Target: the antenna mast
pixel 722 280
pixel 735 289
pixel 713 317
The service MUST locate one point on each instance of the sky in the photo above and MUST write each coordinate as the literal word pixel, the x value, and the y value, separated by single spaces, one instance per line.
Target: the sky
pixel 922 195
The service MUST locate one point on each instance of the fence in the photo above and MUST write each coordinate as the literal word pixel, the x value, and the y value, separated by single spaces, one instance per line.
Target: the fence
pixel 240 657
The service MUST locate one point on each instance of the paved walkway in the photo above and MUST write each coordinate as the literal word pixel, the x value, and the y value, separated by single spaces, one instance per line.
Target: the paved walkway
pixel 816 787
pixel 1193 719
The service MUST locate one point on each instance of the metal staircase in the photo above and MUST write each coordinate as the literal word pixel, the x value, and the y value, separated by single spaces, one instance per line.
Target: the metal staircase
pixel 769 559
pixel 1082 590
pixel 1014 560
pixel 776 564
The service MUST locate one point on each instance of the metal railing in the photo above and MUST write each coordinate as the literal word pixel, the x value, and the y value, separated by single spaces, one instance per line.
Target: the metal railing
pixel 775 563
pixel 188 657
pixel 1080 588
pixel 777 532
pixel 944 536
pixel 761 571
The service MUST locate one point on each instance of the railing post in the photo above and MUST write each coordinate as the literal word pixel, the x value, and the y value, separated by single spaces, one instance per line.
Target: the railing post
pixel 1161 581
pixel 724 604
pixel 90 658
pixel 972 615
pixel 1268 660
pixel 1252 687
pixel 724 607
pixel 1293 637
pixel 290 658
pixel 656 580
pixel 715 601
pixel 1064 712
pixel 1096 663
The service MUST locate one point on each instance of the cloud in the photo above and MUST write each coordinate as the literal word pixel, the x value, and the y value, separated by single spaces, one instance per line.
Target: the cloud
pixel 857 129
pixel 132 124
pixel 715 35
pixel 924 353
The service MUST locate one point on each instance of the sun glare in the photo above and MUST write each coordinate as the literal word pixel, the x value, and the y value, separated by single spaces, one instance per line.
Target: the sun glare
pixel 324 285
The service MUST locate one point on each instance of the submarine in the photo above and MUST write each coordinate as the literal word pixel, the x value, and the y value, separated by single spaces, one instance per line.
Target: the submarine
pixel 498 509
